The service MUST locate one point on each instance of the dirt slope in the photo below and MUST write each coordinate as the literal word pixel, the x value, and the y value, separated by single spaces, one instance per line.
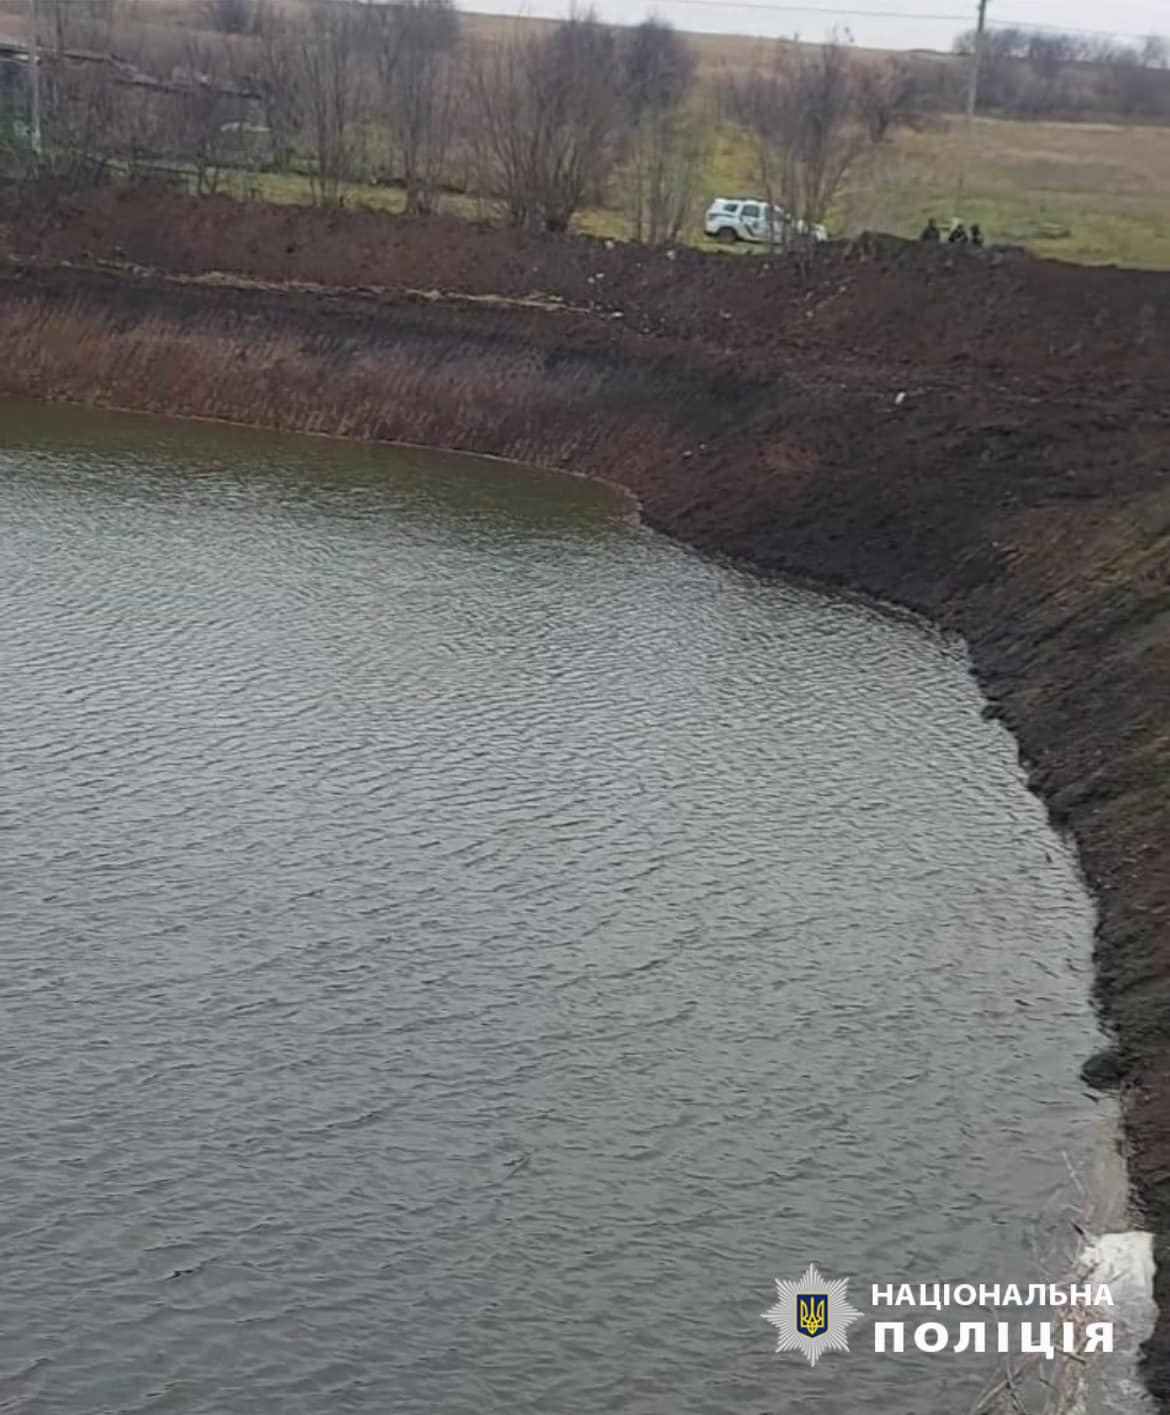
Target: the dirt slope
pixel 900 304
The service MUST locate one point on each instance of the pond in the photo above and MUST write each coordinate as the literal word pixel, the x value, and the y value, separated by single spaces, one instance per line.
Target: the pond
pixel 459 948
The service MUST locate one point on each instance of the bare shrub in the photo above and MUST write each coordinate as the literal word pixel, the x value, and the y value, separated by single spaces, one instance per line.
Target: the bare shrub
pixel 891 95
pixel 669 150
pixel 231 16
pixel 329 46
pixel 81 113
pixel 415 48
pixel 275 76
pixel 75 24
pixel 546 119
pixel 657 67
pixel 205 114
pixel 666 135
pixel 808 124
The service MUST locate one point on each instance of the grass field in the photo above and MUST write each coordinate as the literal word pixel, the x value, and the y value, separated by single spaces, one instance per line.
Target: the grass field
pixel 1106 186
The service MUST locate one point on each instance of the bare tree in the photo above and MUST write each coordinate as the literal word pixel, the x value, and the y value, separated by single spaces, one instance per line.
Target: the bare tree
pixel 207 109
pixel 416 43
pixel 671 150
pixel 658 67
pixel 1132 88
pixel 1050 54
pixel 76 24
pixel 79 100
pixel 666 138
pixel 808 126
pixel 329 48
pixel 1000 69
pixel 231 16
pixel 547 119
pixel 1155 52
pixel 80 113
pixel 891 95
pixel 146 126
pixel 275 76
pixel 503 132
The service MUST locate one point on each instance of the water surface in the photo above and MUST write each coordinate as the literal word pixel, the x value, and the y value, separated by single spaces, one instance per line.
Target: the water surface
pixel 458 948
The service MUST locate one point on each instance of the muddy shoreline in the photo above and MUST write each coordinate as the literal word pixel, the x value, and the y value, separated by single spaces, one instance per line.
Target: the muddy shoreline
pixel 981 438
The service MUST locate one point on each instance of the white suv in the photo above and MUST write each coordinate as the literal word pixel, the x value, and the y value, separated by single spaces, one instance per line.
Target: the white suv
pixel 751 219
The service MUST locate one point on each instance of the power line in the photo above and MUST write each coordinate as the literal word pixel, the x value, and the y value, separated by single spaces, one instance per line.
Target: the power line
pixel 780 6
pixel 845 12
pixel 1067 29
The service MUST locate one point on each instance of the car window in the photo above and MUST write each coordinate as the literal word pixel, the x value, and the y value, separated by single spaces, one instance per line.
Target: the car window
pixel 731 207
pixel 751 208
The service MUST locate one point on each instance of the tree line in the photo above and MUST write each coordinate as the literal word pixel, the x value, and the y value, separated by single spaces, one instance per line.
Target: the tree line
pixel 531 123
pixel 1038 73
pixel 534 123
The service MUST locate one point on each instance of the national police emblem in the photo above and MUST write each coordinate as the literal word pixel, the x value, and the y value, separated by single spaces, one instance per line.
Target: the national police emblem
pixel 812 1315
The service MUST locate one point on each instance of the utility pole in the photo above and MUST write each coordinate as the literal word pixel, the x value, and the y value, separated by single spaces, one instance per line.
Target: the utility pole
pixel 976 60
pixel 972 102
pixel 34 76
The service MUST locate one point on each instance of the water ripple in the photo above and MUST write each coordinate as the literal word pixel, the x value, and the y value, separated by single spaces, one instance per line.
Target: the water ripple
pixel 458 948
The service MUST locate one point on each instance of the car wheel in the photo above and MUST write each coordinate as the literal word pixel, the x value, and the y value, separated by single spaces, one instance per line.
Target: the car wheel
pixel 727 234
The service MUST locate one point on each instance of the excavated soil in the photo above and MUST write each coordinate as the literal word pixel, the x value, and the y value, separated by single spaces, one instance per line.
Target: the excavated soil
pixel 907 306
pixel 979 435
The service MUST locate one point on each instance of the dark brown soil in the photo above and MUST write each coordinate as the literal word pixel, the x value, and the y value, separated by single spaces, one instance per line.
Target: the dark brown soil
pixel 982 436
pixel 907 306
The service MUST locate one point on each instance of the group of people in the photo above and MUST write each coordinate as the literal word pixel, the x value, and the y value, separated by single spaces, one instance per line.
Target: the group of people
pixel 957 236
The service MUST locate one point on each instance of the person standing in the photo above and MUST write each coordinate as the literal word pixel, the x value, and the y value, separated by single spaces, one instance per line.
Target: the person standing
pixel 930 231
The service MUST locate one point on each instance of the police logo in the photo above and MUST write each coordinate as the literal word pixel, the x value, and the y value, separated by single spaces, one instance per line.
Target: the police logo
pixel 812 1315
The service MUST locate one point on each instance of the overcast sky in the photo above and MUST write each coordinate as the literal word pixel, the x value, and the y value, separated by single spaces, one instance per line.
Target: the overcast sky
pixel 883 24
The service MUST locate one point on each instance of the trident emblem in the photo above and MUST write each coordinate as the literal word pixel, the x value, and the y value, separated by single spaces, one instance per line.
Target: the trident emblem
pixel 812 1312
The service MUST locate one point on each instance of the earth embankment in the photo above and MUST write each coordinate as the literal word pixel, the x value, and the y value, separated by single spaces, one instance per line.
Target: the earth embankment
pixel 978 435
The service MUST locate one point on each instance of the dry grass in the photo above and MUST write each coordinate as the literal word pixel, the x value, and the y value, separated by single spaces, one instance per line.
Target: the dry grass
pixel 1105 186
pixel 440 386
